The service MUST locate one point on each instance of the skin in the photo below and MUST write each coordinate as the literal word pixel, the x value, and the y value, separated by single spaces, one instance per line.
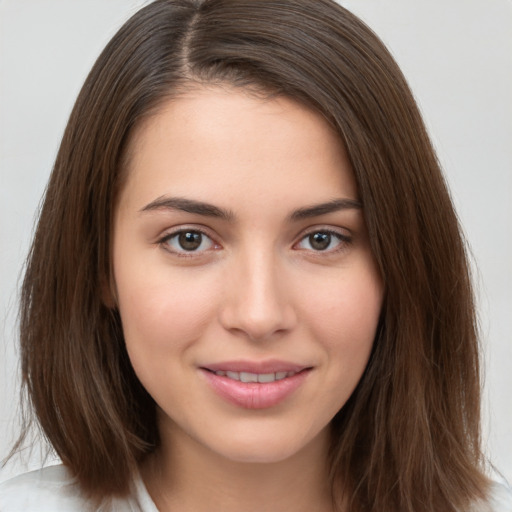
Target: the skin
pixel 257 288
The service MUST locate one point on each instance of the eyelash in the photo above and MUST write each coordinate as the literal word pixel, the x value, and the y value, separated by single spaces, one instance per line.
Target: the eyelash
pixel 343 241
pixel 164 242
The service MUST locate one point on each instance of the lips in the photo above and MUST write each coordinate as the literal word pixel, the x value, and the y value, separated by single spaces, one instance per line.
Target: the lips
pixel 255 385
pixel 255 377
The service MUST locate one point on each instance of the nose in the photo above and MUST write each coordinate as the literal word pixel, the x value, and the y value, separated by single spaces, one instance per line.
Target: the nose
pixel 258 302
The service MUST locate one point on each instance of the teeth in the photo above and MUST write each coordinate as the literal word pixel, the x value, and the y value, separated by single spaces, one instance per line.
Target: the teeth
pixel 248 377
pixel 266 377
pixel 254 377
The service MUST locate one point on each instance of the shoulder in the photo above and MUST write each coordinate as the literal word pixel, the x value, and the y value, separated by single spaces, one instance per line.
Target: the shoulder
pixel 53 489
pixel 48 489
pixel 500 497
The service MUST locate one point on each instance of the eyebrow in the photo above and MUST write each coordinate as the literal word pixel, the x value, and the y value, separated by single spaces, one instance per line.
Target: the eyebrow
pixel 189 206
pixel 210 210
pixel 325 208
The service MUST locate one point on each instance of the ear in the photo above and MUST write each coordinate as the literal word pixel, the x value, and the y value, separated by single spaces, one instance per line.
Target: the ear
pixel 108 292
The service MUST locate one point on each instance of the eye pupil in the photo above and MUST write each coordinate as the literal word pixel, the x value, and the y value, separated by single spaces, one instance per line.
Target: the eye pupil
pixel 320 241
pixel 190 240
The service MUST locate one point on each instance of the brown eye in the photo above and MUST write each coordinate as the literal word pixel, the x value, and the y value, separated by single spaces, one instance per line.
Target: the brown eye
pixel 190 240
pixel 187 241
pixel 320 241
pixel 324 240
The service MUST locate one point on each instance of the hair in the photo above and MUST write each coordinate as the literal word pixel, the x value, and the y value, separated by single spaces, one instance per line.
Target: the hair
pixel 408 439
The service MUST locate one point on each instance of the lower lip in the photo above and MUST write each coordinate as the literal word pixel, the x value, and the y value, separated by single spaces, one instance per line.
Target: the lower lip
pixel 254 395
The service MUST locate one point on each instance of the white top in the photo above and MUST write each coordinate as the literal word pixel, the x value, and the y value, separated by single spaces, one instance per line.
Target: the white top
pixel 53 489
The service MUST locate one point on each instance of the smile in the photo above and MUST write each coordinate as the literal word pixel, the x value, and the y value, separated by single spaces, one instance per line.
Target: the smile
pixel 254 377
pixel 255 385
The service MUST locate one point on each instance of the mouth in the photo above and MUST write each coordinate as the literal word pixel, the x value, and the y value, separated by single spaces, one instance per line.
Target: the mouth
pixel 255 385
pixel 262 378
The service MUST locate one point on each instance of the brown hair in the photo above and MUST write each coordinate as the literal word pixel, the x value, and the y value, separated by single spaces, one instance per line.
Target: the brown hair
pixel 408 439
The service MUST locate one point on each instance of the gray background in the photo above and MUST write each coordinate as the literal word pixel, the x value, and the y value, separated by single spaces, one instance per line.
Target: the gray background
pixel 457 56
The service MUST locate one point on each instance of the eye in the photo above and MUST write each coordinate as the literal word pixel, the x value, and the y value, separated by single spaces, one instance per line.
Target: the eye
pixel 323 240
pixel 187 241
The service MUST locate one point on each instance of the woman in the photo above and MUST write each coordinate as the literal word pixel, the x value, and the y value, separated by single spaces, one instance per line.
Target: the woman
pixel 247 288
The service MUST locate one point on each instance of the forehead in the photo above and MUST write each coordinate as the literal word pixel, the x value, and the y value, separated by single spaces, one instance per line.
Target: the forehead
pixel 225 140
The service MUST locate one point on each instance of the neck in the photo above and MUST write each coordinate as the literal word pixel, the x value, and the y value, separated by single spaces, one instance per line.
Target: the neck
pixel 184 475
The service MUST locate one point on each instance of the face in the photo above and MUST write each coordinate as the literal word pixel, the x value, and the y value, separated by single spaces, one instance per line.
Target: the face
pixel 243 273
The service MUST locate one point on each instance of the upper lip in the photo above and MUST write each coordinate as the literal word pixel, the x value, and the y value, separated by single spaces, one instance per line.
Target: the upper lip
pixel 260 367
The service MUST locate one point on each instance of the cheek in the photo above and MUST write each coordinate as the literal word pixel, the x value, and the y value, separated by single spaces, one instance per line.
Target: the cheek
pixel 343 317
pixel 349 305
pixel 163 312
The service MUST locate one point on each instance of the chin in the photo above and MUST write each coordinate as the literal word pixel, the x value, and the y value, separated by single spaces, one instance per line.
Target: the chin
pixel 271 448
pixel 257 455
